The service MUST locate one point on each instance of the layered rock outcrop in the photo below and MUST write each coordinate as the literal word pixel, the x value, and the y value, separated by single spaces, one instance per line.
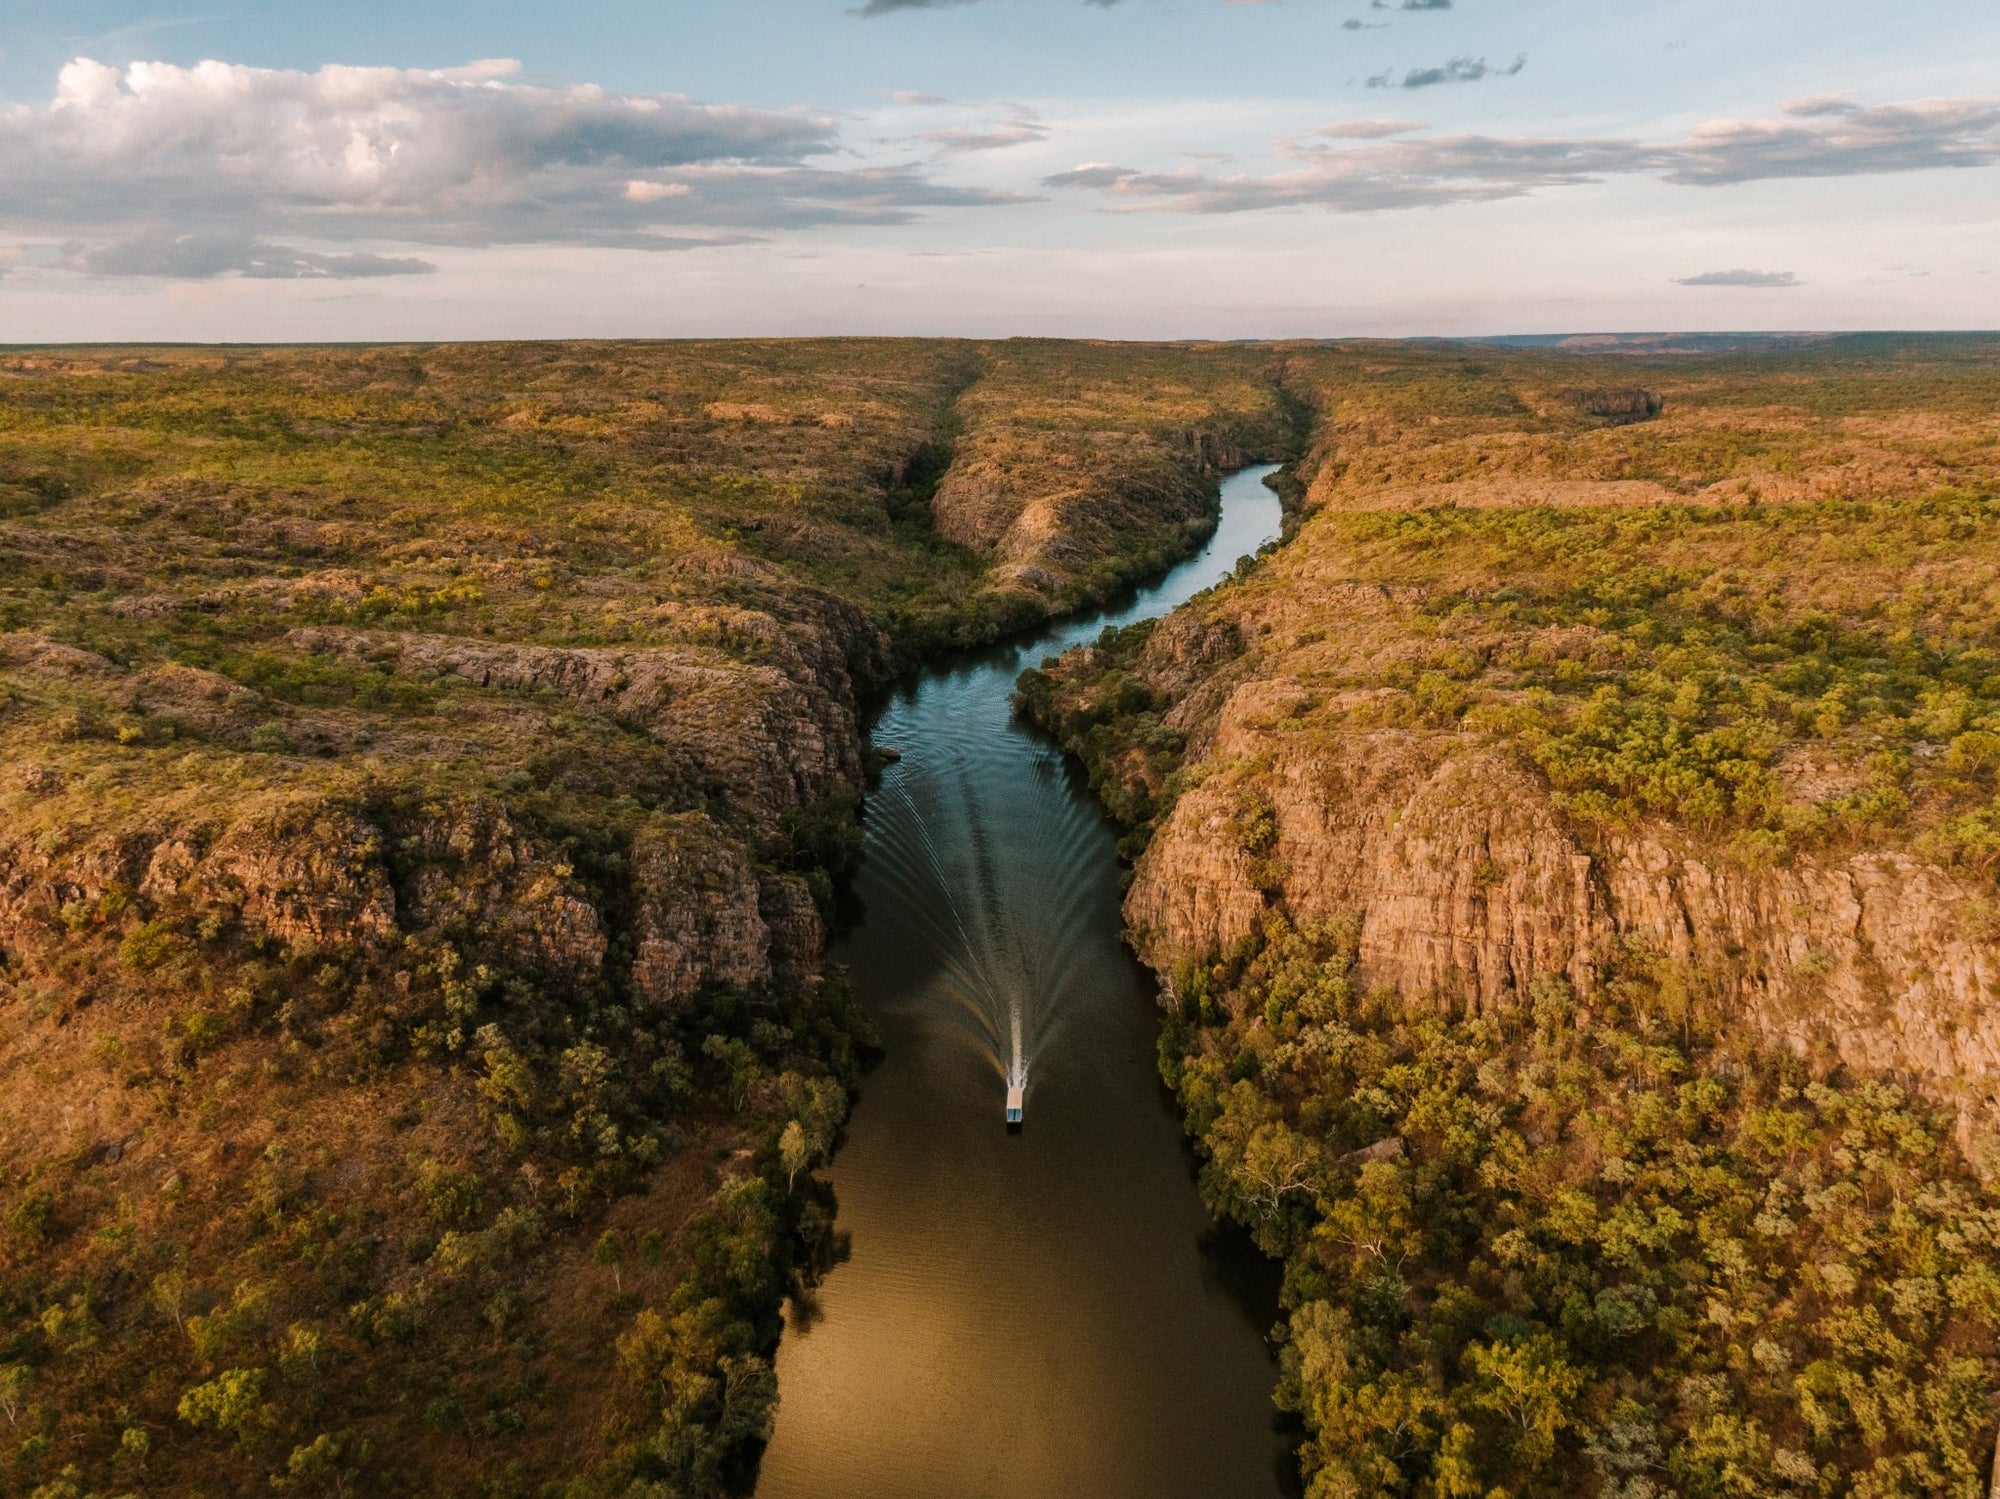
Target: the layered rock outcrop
pixel 700 918
pixel 349 864
pixel 302 870
pixel 1049 511
pixel 1468 885
pixel 1534 695
pixel 769 738
pixel 1112 466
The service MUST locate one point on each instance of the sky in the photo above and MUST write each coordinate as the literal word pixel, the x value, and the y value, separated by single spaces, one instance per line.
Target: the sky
pixel 261 170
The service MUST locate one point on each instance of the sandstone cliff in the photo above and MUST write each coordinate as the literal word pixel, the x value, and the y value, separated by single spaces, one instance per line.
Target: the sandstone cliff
pixel 330 860
pixel 1105 472
pixel 1468 884
pixel 1512 732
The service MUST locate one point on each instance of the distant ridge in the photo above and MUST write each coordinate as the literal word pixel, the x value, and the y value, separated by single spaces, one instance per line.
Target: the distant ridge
pixel 1700 343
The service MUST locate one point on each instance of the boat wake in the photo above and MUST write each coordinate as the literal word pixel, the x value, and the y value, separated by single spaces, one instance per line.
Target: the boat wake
pixel 1004 948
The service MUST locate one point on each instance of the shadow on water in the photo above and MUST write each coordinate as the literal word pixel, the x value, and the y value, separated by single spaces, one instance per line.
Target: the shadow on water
pixel 1233 1265
pixel 1048 1313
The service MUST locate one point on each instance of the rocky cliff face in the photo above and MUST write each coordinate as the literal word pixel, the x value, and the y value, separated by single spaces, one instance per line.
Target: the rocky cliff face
pixel 338 865
pixel 770 737
pixel 1113 475
pixel 1058 504
pixel 1468 884
pixel 1511 733
pixel 700 919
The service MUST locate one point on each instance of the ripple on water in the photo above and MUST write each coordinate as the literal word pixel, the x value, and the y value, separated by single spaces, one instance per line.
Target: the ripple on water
pixel 1040 1314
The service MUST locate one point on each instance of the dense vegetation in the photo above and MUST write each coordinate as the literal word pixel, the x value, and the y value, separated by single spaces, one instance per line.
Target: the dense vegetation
pixel 423 772
pixel 1589 1248
pixel 1700 645
pixel 1598 1237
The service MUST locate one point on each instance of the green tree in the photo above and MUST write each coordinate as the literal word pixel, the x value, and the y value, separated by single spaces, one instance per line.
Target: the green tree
pixel 304 1343
pixel 610 1255
pixel 231 1402
pixel 169 1296
pixel 135 1445
pixel 1377 1222
pixel 71 1328
pixel 14 1380
pixel 794 1153
pixel 1258 1164
pixel 1532 1387
pixel 31 1216
pixel 739 1064
pixel 325 1465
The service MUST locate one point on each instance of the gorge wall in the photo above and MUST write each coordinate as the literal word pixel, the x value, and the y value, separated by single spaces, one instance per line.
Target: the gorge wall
pixel 1538 687
pixel 1468 883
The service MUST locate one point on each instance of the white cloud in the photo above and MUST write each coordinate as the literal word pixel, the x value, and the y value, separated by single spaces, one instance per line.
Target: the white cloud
pixel 1819 137
pixel 371 138
pixel 956 141
pixel 1398 174
pixel 228 156
pixel 1833 138
pixel 200 256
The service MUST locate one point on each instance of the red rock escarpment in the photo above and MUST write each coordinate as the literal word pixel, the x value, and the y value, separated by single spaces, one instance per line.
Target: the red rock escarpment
pixel 1468 884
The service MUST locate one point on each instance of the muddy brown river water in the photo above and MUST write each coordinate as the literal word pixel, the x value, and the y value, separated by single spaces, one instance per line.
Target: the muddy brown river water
pixel 1042 1315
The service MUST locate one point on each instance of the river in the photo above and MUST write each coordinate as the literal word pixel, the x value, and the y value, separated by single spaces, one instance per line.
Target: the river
pixel 1048 1314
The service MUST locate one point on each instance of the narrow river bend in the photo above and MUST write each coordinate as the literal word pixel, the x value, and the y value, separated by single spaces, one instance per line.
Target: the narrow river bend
pixel 1042 1315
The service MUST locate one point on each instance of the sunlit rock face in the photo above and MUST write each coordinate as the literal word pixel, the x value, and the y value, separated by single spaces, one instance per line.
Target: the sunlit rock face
pixel 1468 885
pixel 1388 722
